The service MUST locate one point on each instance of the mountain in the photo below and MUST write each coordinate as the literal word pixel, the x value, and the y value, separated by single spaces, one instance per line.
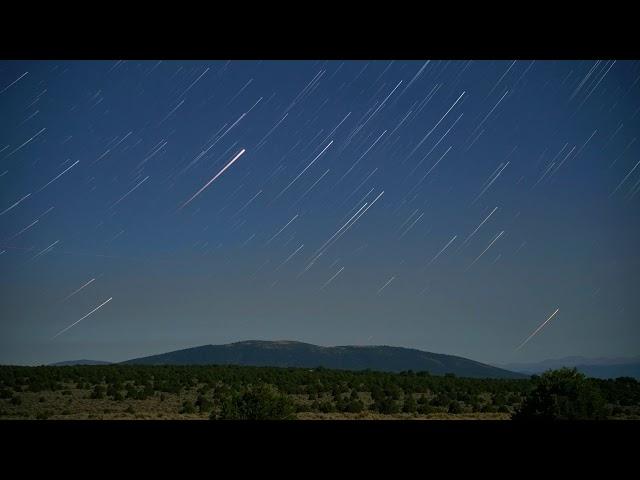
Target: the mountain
pixel 593 367
pixel 79 362
pixel 305 355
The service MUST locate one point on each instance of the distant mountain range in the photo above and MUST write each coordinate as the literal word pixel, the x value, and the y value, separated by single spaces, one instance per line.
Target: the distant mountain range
pixel 381 358
pixel 592 367
pixel 305 355
pixel 79 362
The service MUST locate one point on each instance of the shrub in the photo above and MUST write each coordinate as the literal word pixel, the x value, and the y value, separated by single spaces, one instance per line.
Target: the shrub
pixel 454 407
pixel 326 406
pixel 386 405
pixel 188 407
pixel 355 406
pixel 425 409
pixel 97 392
pixel 43 415
pixel 256 402
pixel 409 404
pixel 203 404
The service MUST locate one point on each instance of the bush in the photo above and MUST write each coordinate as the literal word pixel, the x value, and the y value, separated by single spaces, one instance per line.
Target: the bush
pixel 256 402
pixel 16 400
pixel 409 404
pixel 386 405
pixel 36 387
pixel 203 404
pixel 355 406
pixel 6 393
pixel 188 407
pixel 98 392
pixel 112 391
pixel 454 407
pixel 342 404
pixel 326 406
pixel 563 394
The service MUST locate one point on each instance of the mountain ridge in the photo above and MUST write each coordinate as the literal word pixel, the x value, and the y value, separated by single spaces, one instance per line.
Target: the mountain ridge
pixel 570 361
pixel 601 367
pixel 290 353
pixel 79 362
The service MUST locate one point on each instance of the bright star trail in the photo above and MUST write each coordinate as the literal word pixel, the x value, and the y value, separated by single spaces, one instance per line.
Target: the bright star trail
pixel 78 321
pixel 433 204
pixel 537 330
pixel 238 155
pixel 76 291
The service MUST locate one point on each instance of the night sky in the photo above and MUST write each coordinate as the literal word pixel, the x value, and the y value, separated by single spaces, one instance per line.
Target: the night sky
pixel 450 206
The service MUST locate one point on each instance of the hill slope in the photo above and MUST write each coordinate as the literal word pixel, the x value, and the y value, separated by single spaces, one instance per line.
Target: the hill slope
pixel 79 362
pixel 297 354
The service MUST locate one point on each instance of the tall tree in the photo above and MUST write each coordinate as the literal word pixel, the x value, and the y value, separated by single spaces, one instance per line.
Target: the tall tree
pixel 563 394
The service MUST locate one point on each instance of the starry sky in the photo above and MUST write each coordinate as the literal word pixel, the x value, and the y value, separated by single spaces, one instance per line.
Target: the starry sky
pixel 450 206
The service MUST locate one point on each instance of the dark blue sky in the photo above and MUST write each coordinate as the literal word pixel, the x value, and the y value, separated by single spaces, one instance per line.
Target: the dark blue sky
pixel 349 215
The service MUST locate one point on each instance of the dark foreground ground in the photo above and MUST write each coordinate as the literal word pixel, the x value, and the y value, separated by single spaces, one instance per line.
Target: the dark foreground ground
pixel 228 392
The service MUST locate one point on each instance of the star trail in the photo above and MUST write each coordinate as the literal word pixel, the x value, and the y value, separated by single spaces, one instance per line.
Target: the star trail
pixel 332 202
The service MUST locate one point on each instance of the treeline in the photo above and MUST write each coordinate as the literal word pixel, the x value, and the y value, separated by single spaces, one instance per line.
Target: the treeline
pixel 265 392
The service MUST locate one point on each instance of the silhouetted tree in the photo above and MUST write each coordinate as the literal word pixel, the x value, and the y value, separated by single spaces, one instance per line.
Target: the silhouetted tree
pixel 563 394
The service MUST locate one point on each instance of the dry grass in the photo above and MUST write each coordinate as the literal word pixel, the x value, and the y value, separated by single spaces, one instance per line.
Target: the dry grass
pixel 401 416
pixel 78 406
